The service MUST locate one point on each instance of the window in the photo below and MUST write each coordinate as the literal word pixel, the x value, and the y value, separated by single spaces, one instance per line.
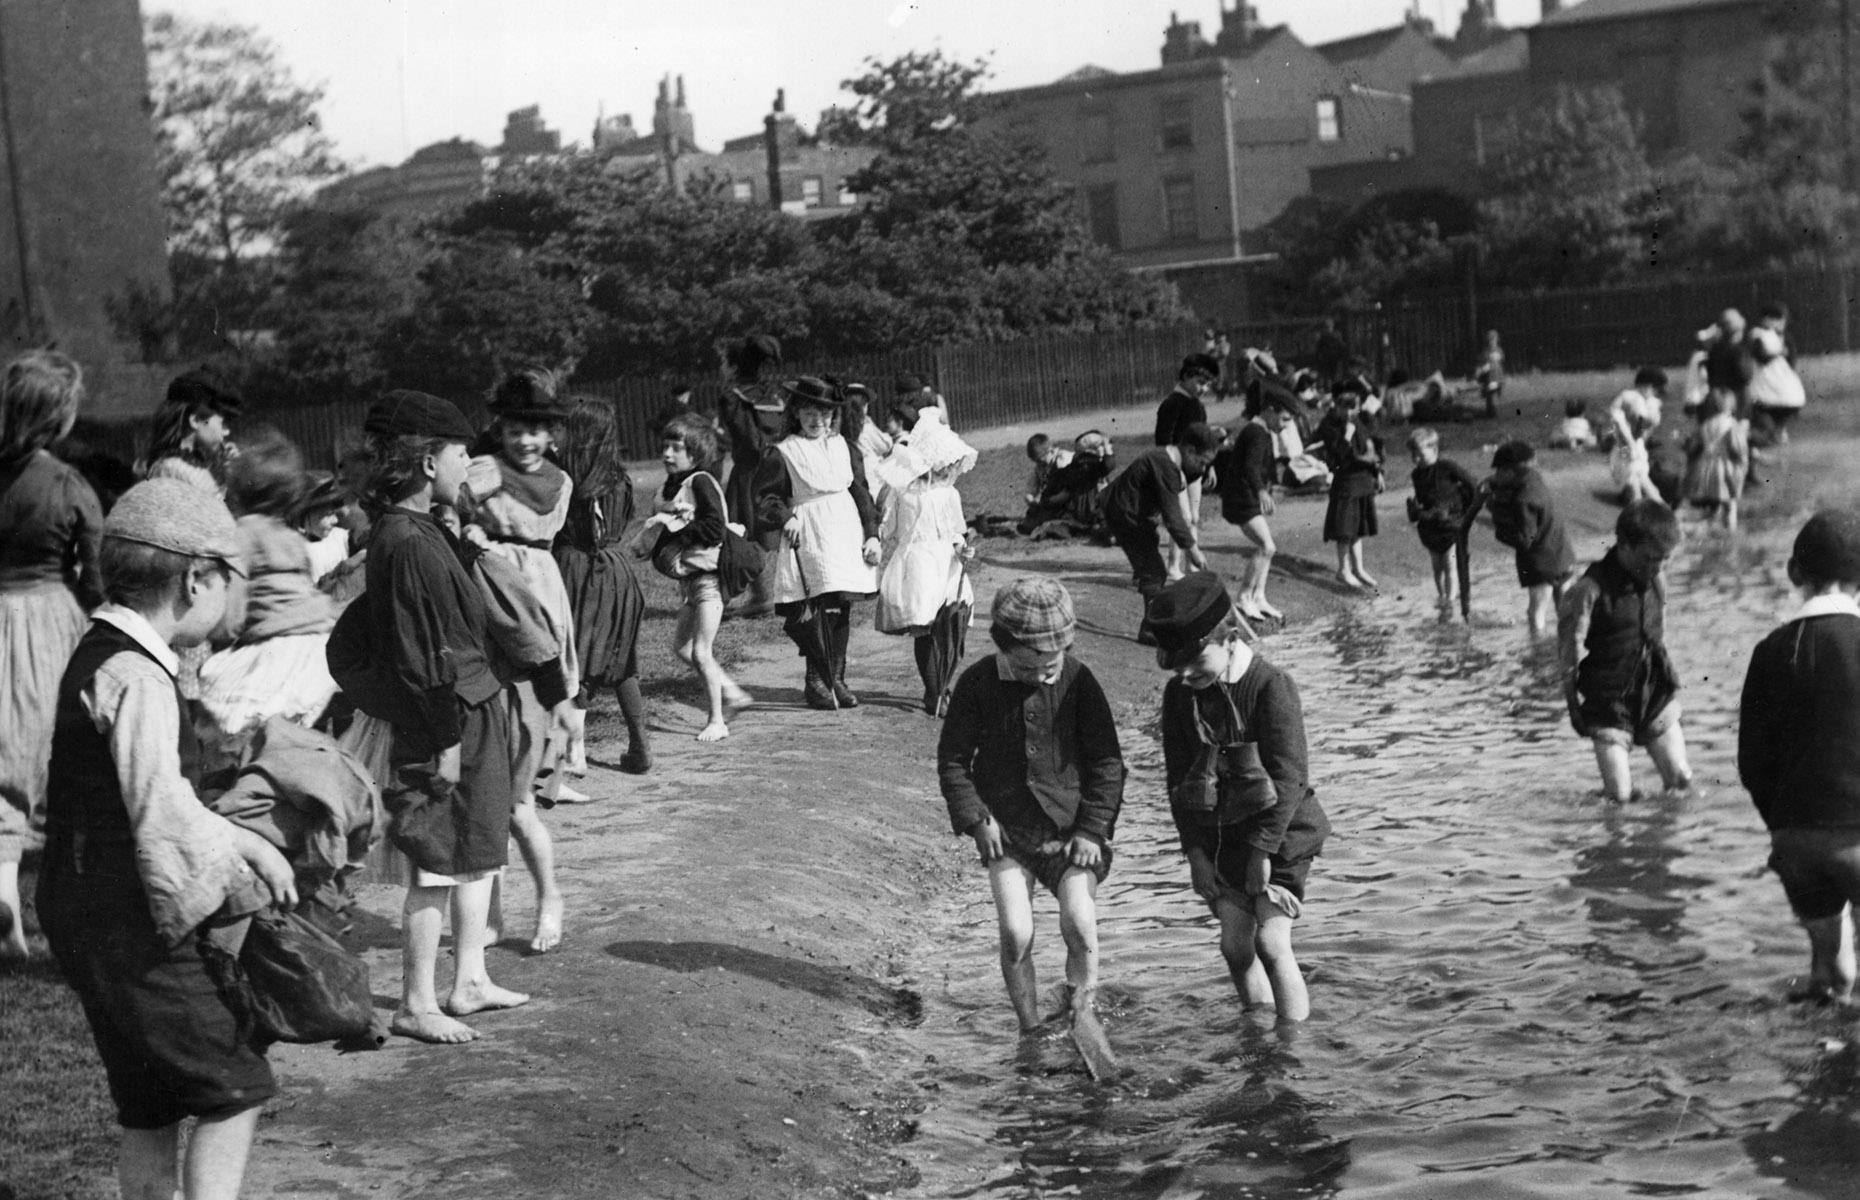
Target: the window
pixel 810 191
pixel 847 197
pixel 1329 120
pixel 1179 207
pixel 1095 144
pixel 1176 130
pixel 743 191
pixel 1101 215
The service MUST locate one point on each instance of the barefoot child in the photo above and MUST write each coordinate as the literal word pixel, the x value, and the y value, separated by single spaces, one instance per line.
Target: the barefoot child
pixel 1524 518
pixel 1031 769
pixel 1442 507
pixel 412 650
pixel 1355 457
pixel 1152 490
pixel 1243 471
pixel 684 537
pixel 1619 682
pixel 135 865
pixel 1235 757
pixel 1798 747
pixel 1717 460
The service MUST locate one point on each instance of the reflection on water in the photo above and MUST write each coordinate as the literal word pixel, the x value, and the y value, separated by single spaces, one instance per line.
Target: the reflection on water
pixel 1518 989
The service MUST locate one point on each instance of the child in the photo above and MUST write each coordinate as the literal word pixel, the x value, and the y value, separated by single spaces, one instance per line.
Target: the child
pixel 318 517
pixel 1153 489
pixel 139 876
pixel 1243 472
pixel 603 592
pixel 1355 458
pixel 1031 769
pixel 1798 747
pixel 190 434
pixel 1717 460
pixel 1575 433
pixel 1524 518
pixel 1776 394
pixel 1630 416
pixel 1235 758
pixel 1049 460
pixel 813 489
pixel 413 650
pixel 1183 407
pixel 1490 374
pixel 1445 500
pixel 1617 678
pixel 684 537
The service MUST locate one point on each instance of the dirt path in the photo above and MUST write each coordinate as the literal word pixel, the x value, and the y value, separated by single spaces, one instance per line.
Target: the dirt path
pixel 745 925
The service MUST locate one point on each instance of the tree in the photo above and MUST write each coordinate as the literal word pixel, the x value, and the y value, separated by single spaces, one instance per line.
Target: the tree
pixel 1332 256
pixel 910 97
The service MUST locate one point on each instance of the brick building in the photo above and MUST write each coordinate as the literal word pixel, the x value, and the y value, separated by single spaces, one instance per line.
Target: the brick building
pixel 80 204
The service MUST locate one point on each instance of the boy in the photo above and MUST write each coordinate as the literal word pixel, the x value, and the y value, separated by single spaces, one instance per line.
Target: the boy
pixel 1442 508
pixel 1243 472
pixel 1524 518
pixel 1153 489
pixel 1617 678
pixel 139 876
pixel 1235 757
pixel 414 651
pixel 1031 769
pixel 1049 460
pixel 1798 747
pixel 1183 408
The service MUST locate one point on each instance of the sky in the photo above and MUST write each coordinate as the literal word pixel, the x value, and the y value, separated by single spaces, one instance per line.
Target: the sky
pixel 400 74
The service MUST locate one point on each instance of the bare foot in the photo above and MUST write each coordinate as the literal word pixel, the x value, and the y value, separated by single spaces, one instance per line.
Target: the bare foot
pixel 1351 581
pixel 482 997
pixel 12 934
pixel 548 926
pixel 716 731
pixel 1249 611
pixel 1369 581
pixel 1265 606
pixel 736 702
pixel 434 1027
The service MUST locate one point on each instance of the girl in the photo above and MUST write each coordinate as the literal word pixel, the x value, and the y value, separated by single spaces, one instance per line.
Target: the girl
pixel 602 589
pixel 521 502
pixel 190 432
pixel 1355 459
pixel 50 527
pixel 1717 460
pixel 925 544
pixel 684 537
pixel 1629 419
pixel 813 489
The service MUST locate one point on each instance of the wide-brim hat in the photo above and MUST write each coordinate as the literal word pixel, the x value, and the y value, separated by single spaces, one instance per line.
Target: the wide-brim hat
pixel 1200 364
pixel 1183 616
pixel 530 396
pixel 325 494
pixel 811 389
pixel 201 388
pixel 908 384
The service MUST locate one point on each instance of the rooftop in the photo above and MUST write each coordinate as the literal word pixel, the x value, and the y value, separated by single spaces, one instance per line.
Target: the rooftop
pixel 1623 10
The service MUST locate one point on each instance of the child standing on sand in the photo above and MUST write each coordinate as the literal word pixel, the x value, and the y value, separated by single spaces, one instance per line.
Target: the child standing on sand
pixel 1611 634
pixel 1798 747
pixel 1717 460
pixel 1031 769
pixel 1524 518
pixel 1355 457
pixel 1442 507
pixel 1235 757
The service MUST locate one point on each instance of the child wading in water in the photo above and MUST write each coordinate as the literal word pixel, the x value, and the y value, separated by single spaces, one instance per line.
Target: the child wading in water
pixel 1445 500
pixel 1717 460
pixel 1798 748
pixel 813 489
pixel 1619 682
pixel 684 538
pixel 1031 769
pixel 1153 489
pixel 139 876
pixel 1235 757
pixel 1524 518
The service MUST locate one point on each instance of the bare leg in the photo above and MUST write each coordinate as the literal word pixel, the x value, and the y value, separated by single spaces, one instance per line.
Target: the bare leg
pixel 423 920
pixel 1238 930
pixel 1617 769
pixel 12 916
pixel 1274 943
pixel 1356 563
pixel 718 686
pixel 1831 955
pixel 216 1153
pixel 1538 608
pixel 1260 534
pixel 148 1165
pixel 1669 754
pixel 538 850
pixel 1078 924
pixel 1443 578
pixel 1012 885
pixel 1344 571
pixel 472 989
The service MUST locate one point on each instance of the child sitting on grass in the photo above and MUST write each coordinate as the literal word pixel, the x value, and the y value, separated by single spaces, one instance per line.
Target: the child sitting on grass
pixel 1445 499
pixel 1031 769
pixel 139 876
pixel 1798 747
pixel 1617 677
pixel 1575 433
pixel 1524 518
pixel 1234 753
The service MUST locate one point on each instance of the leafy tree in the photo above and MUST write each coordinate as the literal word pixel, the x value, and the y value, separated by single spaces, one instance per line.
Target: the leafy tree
pixel 1332 256
pixel 910 97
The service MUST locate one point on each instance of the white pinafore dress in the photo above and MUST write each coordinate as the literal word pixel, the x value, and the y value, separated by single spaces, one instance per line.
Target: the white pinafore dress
pixel 831 554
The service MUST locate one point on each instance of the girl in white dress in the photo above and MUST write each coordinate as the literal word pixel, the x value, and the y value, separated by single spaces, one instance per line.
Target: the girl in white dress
pixel 813 489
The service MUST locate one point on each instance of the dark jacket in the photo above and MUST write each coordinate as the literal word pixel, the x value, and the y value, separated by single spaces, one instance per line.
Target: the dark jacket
pixel 1524 518
pixel 1445 499
pixel 1176 413
pixel 1798 738
pixel 1148 490
pixel 50 528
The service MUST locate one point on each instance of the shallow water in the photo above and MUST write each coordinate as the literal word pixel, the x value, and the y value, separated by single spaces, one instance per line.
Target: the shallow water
pixel 1518 989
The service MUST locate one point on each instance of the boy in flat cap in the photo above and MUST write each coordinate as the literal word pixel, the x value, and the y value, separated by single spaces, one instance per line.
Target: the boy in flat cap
pixel 1031 769
pixel 413 650
pixel 141 881
pixel 1798 747
pixel 1235 757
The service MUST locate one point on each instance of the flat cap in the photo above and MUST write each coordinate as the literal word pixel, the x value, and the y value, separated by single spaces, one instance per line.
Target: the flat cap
pixel 175 516
pixel 1184 614
pixel 404 413
pixel 1827 550
pixel 1035 612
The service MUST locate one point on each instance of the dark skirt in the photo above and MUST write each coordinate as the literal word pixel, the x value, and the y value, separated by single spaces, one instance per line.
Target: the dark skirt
pixel 1348 518
pixel 604 594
